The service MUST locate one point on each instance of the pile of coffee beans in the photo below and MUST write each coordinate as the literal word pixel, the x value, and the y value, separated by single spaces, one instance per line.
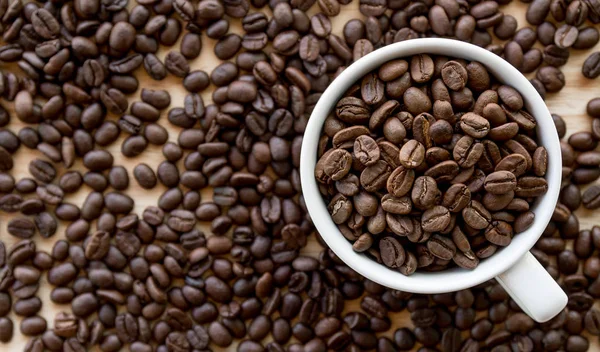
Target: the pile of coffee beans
pixel 219 261
pixel 428 161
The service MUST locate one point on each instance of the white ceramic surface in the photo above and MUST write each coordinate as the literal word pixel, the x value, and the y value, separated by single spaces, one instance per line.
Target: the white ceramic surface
pixel 514 267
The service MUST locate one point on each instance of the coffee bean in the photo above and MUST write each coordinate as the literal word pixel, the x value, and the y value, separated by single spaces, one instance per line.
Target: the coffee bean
pixel 412 154
pixel 21 252
pixel 590 66
pixel 441 247
pixel 7 330
pixel 566 36
pixel 554 55
pixel 41 170
pixel 176 64
pixel 499 233
pixel 421 68
pixel 454 75
pixel 476 216
pixel 425 192
pixel 589 197
pixel 399 182
pixel 474 125
pixel 32 326
pixel 435 219
pixel 27 307
pixel 552 78
pixel 416 101
pixel 537 11
pixel 11 203
pixel 392 252
pixel 374 176
pixel 500 182
pixel 587 38
pixel 530 186
pixel 84 304
pixel 457 197
pixel 21 228
pixel 576 13
pixel 46 224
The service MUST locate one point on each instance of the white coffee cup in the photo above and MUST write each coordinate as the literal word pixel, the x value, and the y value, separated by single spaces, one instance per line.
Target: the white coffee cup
pixel 514 267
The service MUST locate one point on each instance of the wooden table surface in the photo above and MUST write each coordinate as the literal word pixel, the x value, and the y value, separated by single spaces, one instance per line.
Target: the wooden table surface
pixel 570 103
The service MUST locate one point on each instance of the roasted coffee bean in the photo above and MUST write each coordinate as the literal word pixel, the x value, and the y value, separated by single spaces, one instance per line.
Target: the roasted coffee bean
pixel 11 203
pixel 441 247
pixel 551 77
pixel 590 196
pixel 587 38
pixel 176 64
pixel 566 36
pixel 425 192
pixel 21 228
pixel 591 66
pixel 500 182
pixel 392 252
pixel 41 170
pixel 32 326
pixel 421 68
pixel 6 333
pixel 412 154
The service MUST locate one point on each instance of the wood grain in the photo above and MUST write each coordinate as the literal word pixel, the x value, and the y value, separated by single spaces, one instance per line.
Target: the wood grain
pixel 569 103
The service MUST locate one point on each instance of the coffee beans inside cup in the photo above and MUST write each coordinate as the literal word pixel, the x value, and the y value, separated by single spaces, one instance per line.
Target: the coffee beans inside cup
pixel 429 162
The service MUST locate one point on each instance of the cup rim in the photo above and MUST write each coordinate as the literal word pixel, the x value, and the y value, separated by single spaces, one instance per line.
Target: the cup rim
pixel 456 278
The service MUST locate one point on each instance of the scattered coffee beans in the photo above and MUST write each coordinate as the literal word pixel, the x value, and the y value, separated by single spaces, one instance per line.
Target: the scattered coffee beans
pixel 217 261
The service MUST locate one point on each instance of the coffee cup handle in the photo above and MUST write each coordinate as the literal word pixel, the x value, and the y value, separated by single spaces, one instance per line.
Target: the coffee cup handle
pixel 533 289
